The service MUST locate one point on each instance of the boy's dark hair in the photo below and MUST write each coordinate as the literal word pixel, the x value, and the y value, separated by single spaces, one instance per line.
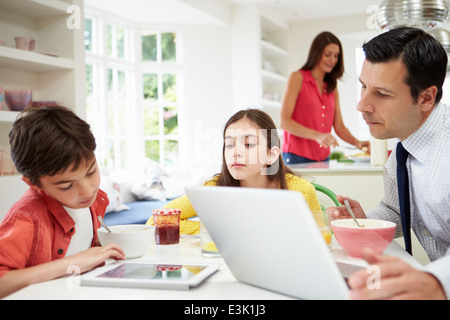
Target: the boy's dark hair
pixel 423 55
pixel 46 141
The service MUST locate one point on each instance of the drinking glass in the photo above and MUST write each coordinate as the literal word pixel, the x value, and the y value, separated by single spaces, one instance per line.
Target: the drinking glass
pixel 323 222
pixel 207 245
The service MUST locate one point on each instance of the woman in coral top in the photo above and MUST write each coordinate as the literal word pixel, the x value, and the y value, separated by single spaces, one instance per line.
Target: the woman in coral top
pixel 311 105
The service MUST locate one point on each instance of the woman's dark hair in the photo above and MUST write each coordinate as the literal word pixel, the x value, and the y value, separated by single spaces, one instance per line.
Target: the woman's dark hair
pixel 423 55
pixel 278 170
pixel 315 54
pixel 46 141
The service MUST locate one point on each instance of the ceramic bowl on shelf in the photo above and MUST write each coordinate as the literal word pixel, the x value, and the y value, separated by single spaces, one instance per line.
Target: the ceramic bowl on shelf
pixel 17 99
pixel 374 234
pixel 134 239
pixel 25 43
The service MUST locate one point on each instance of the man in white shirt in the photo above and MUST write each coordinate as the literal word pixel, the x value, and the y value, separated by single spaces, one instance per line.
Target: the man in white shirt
pixel 402 80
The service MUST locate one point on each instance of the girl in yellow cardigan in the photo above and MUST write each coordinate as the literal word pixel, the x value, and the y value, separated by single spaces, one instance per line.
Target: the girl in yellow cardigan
pixel 251 158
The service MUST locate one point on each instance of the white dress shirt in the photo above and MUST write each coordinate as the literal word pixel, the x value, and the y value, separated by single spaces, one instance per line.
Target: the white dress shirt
pixel 429 187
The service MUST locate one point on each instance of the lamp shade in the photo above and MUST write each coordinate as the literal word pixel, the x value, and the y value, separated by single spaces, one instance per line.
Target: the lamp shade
pixel 443 36
pixel 425 14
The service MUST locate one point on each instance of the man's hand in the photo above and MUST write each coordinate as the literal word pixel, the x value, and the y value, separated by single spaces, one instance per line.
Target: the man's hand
pixel 342 213
pixel 398 281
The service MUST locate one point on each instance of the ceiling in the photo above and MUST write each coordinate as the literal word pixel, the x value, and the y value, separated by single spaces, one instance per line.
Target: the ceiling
pixel 319 9
pixel 188 12
pixel 153 11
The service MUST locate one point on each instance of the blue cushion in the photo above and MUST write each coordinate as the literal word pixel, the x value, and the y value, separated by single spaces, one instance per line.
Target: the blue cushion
pixel 139 213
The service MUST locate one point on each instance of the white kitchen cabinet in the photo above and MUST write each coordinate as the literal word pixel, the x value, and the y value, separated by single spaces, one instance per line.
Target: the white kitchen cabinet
pixel 260 59
pixel 55 70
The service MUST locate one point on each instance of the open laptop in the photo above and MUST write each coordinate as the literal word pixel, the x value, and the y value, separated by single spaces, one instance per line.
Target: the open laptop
pixel 269 239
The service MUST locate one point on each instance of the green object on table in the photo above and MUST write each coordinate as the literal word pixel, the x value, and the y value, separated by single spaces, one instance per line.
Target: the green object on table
pixel 336 155
pixel 328 192
pixel 346 160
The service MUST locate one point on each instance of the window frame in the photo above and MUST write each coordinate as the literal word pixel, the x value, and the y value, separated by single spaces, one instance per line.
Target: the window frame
pixel 135 68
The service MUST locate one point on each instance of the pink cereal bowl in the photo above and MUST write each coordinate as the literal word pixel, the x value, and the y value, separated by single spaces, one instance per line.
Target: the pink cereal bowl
pixel 375 234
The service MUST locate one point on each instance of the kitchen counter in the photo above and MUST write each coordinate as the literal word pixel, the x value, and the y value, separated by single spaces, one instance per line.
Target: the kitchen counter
pixel 357 180
pixel 347 168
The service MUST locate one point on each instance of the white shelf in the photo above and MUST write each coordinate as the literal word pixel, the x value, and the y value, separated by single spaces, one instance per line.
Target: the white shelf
pixel 59 78
pixel 270 76
pixel 272 51
pixel 8 116
pixel 35 8
pixel 271 103
pixel 18 59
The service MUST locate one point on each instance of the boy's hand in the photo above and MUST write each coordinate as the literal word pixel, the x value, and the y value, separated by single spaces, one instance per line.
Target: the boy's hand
pixel 91 258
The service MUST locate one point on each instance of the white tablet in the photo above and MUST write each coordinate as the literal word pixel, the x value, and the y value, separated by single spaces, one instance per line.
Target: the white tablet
pixel 144 274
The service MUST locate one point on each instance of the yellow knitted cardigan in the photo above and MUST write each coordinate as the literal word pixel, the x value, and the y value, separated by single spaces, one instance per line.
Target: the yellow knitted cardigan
pixel 294 183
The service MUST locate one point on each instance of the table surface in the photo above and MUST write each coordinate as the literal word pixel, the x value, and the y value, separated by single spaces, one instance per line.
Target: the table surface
pixel 222 285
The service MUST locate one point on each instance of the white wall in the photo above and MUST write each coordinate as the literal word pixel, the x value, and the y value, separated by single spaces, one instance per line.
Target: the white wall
pixel 352 31
pixel 207 93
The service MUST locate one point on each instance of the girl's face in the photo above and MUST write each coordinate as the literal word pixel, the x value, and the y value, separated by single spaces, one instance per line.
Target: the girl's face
pixel 246 154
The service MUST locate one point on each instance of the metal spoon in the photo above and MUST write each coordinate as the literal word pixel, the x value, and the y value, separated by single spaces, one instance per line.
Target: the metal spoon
pixel 103 224
pixel 347 205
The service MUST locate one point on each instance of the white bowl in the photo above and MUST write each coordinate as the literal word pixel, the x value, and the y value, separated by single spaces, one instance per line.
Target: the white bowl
pixel 134 239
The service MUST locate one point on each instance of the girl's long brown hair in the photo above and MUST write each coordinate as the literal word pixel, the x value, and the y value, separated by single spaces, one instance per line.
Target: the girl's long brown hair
pixel 315 54
pixel 263 121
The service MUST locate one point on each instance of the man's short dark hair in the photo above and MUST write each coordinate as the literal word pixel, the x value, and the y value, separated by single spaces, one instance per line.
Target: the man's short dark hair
pixel 423 55
pixel 46 141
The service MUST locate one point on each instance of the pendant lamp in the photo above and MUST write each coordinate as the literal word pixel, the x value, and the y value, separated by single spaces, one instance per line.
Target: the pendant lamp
pixel 424 14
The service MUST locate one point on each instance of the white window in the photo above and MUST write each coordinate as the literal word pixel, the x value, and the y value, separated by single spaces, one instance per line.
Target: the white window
pixel 133 96
pixel 160 72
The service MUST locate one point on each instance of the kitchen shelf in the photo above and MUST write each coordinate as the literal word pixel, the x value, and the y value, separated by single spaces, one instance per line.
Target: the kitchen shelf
pixel 55 71
pixel 32 61
pixel 271 103
pixel 260 58
pixel 270 76
pixel 35 8
pixel 272 51
pixel 8 116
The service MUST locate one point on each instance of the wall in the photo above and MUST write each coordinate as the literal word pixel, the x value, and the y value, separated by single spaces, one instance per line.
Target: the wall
pixel 207 94
pixel 352 32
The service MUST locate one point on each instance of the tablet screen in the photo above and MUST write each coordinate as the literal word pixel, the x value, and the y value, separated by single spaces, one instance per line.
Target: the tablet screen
pixel 146 271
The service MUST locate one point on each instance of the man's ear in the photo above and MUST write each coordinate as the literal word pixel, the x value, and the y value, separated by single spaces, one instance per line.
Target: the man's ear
pixel 31 185
pixel 427 98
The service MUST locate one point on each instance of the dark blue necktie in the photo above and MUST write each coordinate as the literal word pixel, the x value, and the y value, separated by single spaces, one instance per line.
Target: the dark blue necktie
pixel 403 195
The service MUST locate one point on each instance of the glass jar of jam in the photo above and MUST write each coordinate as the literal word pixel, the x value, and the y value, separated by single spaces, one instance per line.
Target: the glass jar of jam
pixel 167 226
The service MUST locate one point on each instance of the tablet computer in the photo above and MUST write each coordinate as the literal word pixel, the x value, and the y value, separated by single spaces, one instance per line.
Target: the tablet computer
pixel 144 274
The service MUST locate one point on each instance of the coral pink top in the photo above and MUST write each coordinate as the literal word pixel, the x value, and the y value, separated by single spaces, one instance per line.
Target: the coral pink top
pixel 313 110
